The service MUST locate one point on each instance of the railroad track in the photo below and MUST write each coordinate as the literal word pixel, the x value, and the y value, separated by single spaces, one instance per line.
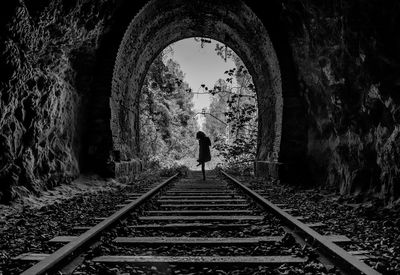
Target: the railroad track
pixel 194 227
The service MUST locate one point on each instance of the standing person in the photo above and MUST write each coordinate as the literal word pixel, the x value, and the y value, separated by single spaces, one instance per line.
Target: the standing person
pixel 204 151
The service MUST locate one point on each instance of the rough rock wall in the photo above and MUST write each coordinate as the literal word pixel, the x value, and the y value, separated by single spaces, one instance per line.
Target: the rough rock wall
pixel 348 60
pixel 47 55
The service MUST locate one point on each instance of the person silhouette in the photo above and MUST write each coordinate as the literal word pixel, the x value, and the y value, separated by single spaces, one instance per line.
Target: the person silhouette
pixel 204 151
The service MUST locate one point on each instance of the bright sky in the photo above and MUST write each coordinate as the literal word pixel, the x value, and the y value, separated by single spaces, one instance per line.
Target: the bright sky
pixel 200 65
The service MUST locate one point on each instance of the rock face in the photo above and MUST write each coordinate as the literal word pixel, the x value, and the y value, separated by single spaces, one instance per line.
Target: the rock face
pixel 348 61
pixel 47 52
pixel 347 65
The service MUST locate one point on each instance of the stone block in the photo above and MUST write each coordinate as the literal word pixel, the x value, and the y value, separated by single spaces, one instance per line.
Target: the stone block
pixel 126 171
pixel 266 169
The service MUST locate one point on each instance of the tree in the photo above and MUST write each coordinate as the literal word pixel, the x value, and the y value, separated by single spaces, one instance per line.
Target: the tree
pixel 167 124
pixel 234 103
pixel 215 123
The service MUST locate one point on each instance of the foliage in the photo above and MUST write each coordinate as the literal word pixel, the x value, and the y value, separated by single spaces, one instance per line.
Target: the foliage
pixel 232 117
pixel 167 121
pixel 215 124
pixel 182 170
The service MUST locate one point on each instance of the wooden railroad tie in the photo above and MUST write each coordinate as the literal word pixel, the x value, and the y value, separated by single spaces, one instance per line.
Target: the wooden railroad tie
pixel 199 212
pixel 222 205
pixel 190 226
pixel 202 260
pixel 200 197
pixel 232 201
pixel 201 193
pixel 201 218
pixel 194 241
pixel 195 259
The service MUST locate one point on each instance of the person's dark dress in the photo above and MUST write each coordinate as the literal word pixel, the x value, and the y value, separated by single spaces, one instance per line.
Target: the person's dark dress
pixel 204 150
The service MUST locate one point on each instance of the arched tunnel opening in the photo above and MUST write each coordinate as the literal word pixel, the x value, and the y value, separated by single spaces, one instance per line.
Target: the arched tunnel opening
pixel 236 26
pixel 198 84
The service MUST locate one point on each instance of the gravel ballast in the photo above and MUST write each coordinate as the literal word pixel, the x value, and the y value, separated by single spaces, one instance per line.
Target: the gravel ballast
pixel 369 227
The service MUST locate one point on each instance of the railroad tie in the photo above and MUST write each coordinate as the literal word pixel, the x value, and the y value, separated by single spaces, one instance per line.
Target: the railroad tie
pixel 198 188
pixel 332 238
pixel 196 193
pixel 316 224
pixel 39 257
pixel 190 226
pixel 201 218
pixel 211 186
pixel 361 254
pixel 81 228
pixel 199 212
pixel 135 194
pixel 201 260
pixel 222 205
pixel 195 240
pixel 200 197
pixel 231 201
pixel 31 257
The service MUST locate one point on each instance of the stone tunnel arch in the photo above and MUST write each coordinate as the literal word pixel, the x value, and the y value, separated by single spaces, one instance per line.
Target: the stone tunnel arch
pixel 160 23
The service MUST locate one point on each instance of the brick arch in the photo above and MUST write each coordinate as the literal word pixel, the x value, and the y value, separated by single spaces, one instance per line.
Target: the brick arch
pixel 160 23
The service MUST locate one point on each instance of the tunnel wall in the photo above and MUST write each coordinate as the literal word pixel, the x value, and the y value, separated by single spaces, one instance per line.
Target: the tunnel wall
pixel 48 56
pixel 339 64
pixel 347 55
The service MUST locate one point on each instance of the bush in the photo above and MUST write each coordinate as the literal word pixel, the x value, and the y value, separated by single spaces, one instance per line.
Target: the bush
pixel 166 167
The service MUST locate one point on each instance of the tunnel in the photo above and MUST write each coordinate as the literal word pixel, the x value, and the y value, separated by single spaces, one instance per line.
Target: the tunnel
pixel 82 187
pixel 282 131
pixel 326 87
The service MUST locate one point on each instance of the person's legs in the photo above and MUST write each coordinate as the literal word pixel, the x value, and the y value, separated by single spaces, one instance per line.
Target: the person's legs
pixel 202 170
